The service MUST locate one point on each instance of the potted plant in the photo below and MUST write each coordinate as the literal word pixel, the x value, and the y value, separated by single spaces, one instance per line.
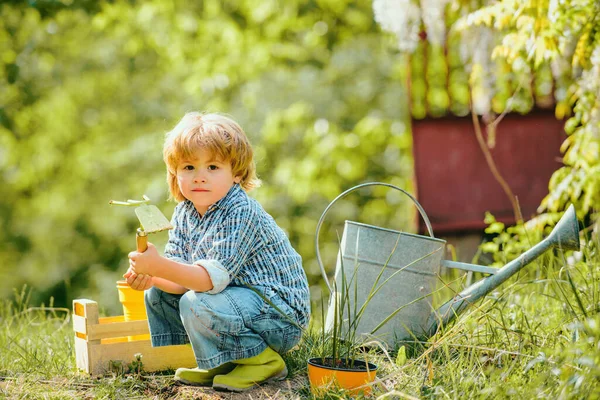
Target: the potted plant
pixel 340 365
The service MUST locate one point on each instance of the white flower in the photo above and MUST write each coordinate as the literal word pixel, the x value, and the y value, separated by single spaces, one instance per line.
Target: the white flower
pixel 434 19
pixel 559 66
pixel 400 17
pixel 595 58
pixel 553 10
pixel 476 47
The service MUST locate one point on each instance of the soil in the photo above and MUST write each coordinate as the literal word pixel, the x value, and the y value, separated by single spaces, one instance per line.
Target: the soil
pixel 287 389
pixel 345 364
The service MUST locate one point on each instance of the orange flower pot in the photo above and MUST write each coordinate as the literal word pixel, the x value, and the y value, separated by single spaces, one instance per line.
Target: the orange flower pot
pixel 134 308
pixel 323 377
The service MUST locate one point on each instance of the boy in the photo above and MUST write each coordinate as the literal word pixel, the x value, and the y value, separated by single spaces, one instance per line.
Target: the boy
pixel 230 282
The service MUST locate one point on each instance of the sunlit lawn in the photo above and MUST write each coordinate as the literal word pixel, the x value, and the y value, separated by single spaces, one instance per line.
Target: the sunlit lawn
pixel 534 337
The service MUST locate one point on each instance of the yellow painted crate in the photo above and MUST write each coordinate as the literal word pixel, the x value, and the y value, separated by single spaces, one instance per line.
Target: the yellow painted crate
pixel 102 343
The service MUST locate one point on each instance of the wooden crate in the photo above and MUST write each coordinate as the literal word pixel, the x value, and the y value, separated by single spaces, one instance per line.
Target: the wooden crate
pixel 101 344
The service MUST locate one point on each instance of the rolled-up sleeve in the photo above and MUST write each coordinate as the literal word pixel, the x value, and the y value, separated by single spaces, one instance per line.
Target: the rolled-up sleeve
pixel 218 275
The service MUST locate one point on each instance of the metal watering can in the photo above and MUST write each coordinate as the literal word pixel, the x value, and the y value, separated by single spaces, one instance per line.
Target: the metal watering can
pixel 406 268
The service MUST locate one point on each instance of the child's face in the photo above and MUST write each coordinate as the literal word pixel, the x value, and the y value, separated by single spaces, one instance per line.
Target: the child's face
pixel 205 180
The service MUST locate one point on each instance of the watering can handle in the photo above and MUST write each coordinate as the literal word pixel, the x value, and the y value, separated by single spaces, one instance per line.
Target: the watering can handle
pixel 347 192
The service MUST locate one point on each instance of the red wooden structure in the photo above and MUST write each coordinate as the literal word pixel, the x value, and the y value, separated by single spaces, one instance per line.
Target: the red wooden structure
pixel 454 183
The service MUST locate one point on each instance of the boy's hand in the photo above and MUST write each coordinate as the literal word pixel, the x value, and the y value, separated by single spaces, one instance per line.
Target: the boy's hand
pixel 138 282
pixel 143 263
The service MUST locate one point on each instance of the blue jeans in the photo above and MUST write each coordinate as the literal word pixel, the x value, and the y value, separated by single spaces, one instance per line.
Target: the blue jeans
pixel 231 325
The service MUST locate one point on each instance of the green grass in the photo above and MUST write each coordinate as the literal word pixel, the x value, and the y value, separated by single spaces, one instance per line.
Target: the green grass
pixel 537 336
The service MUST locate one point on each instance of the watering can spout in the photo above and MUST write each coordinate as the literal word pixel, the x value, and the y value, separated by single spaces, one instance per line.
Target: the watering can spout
pixel 565 236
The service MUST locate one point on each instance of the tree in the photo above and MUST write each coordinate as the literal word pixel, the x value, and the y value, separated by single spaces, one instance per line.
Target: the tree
pixel 89 92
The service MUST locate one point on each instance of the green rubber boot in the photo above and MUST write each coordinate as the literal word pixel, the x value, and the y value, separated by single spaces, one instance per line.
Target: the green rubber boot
pixel 201 377
pixel 250 372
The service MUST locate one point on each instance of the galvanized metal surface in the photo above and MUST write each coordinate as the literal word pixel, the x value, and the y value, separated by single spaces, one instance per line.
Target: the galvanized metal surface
pixel 469 267
pixel 403 266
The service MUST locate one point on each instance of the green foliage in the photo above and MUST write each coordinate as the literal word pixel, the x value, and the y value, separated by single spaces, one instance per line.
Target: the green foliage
pixel 454 70
pixel 578 366
pixel 88 91
pixel 534 337
pixel 510 242
pixel 34 340
pixel 566 35
pixel 530 339
pixel 340 342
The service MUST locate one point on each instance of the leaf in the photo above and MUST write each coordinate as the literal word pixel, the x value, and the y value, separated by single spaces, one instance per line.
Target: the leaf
pixel 538 360
pixel 540 50
pixel 562 110
pixel 489 247
pixel 588 195
pixel 495 227
pixel 489 218
pixel 430 374
pixel 571 125
pixel 401 357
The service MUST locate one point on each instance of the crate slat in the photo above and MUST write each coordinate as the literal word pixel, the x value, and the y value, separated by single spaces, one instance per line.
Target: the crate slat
pixel 80 324
pixel 117 329
pixel 88 309
pixel 110 320
pixel 153 358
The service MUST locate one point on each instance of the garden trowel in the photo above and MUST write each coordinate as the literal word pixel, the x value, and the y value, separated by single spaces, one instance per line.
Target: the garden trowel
pixel 151 221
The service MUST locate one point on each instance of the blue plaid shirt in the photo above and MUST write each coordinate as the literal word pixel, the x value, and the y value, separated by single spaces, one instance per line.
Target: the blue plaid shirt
pixel 240 244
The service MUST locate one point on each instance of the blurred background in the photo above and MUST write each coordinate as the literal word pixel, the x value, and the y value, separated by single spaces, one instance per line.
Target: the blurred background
pixel 90 88
pixel 327 91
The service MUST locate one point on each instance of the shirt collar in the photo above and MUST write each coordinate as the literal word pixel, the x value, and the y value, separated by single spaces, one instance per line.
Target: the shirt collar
pixel 229 198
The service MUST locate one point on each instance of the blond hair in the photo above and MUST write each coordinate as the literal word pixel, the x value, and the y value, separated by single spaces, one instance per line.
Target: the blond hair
pixel 218 134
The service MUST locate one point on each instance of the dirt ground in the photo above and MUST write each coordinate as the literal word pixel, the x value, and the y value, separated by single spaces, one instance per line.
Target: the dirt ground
pixel 287 389
pixel 152 388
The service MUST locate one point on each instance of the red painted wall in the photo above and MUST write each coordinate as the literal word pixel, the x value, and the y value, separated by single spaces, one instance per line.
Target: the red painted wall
pixel 454 183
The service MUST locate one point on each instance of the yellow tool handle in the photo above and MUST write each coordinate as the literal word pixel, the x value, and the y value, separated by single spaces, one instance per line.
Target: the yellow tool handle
pixel 141 238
